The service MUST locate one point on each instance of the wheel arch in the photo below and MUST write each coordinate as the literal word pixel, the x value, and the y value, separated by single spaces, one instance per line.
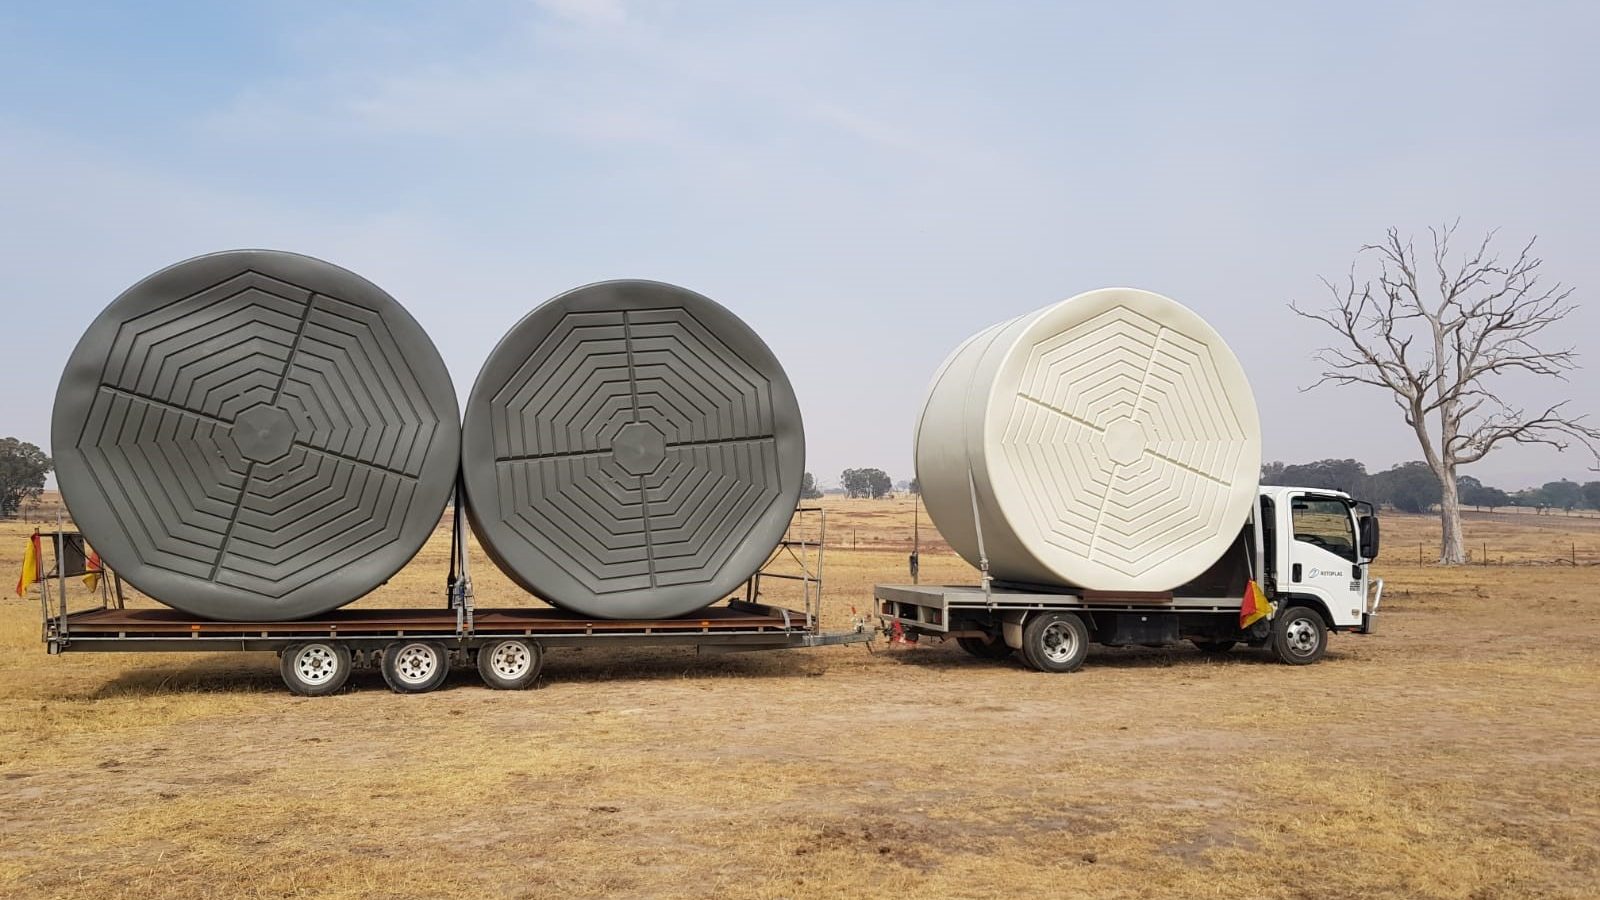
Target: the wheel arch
pixel 1314 603
pixel 1012 621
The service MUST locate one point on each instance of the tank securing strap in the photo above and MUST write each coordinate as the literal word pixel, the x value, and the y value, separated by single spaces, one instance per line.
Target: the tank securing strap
pixel 977 527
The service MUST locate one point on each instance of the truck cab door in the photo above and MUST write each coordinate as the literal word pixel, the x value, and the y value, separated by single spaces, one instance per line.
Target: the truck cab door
pixel 1323 556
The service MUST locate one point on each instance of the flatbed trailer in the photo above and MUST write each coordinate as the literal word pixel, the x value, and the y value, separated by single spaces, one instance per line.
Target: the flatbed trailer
pixel 415 647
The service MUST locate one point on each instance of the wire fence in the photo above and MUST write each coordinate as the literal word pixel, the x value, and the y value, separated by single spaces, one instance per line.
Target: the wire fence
pixel 1487 553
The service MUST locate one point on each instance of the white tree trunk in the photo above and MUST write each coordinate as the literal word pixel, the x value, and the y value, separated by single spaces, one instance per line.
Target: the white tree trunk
pixel 1452 544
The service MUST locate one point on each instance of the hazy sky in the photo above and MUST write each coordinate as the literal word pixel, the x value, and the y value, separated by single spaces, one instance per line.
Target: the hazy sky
pixel 866 184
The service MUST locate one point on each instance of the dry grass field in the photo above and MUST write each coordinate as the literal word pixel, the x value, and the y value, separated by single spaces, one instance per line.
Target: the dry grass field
pixel 1455 754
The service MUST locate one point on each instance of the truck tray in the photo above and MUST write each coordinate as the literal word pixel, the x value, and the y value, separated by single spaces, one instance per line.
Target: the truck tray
pixel 931 607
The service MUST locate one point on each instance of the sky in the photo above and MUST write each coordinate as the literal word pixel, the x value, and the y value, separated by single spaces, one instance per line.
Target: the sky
pixel 866 184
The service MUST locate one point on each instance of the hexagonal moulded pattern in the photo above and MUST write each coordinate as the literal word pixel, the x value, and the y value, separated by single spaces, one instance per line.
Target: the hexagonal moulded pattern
pixel 631 450
pixel 1111 441
pixel 255 435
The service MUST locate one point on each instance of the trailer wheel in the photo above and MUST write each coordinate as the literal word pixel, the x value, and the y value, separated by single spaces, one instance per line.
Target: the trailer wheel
pixel 1215 648
pixel 510 664
pixel 1055 642
pixel 415 667
pixel 315 668
pixel 1299 636
pixel 993 649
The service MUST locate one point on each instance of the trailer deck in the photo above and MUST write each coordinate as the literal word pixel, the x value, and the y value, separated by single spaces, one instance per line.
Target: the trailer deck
pixel 113 629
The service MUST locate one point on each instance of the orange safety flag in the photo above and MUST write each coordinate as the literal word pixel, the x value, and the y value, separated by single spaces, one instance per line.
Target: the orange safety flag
pixel 1254 607
pixel 30 565
pixel 92 570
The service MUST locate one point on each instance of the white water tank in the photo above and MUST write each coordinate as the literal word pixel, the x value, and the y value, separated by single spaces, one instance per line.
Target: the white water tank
pixel 1108 442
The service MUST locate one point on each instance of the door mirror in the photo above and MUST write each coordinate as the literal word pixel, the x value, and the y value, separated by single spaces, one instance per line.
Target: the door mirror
pixel 1368 527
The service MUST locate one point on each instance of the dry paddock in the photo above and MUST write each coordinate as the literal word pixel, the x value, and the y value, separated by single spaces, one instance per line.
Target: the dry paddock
pixel 1454 754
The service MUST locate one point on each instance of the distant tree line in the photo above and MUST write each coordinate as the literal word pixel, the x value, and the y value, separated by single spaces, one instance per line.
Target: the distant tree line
pixel 1413 487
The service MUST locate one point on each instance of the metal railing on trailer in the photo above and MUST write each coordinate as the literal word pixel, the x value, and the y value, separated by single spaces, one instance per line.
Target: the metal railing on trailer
pixel 366 635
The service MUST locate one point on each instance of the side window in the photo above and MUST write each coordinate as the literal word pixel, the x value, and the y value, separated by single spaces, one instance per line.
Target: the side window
pixel 1325 524
pixel 1269 534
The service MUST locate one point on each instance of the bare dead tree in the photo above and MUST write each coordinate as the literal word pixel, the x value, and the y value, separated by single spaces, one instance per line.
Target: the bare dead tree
pixel 1437 349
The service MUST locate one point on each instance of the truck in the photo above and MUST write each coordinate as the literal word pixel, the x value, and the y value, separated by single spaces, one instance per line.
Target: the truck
pixel 1309 551
pixel 415 648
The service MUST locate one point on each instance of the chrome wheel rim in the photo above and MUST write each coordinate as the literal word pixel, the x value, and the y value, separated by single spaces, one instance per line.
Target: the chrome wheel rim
pixel 1060 642
pixel 1302 637
pixel 510 660
pixel 316 664
pixel 415 663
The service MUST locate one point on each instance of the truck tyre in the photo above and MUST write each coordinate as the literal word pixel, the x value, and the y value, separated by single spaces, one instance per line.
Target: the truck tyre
pixel 993 649
pixel 315 668
pixel 1055 642
pixel 1215 648
pixel 510 664
pixel 1299 636
pixel 415 667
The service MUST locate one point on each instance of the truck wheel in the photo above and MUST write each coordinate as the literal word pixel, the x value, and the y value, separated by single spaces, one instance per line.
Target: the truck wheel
pixel 415 667
pixel 1299 636
pixel 315 668
pixel 1055 642
pixel 1215 648
pixel 509 664
pixel 995 649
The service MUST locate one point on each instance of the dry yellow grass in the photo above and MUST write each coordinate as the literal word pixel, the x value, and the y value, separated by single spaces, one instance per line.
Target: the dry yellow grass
pixel 1451 755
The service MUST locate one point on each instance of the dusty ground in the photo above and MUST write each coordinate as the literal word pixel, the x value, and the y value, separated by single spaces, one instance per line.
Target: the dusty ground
pixel 1454 754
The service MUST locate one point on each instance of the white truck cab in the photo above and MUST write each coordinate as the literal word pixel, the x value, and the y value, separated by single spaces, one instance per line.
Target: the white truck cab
pixel 1318 546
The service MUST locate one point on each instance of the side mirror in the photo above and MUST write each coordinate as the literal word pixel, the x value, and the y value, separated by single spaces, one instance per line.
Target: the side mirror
pixel 1368 526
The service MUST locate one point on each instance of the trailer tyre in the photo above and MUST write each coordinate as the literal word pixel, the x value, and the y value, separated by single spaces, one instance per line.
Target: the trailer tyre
pixel 994 649
pixel 415 667
pixel 1055 642
pixel 510 664
pixel 315 668
pixel 1299 636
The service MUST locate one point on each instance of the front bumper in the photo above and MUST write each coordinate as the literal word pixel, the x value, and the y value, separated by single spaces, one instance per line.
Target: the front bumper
pixel 1369 617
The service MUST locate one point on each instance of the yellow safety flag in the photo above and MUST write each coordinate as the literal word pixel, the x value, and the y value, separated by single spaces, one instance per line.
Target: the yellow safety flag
pixel 1255 605
pixel 92 570
pixel 30 565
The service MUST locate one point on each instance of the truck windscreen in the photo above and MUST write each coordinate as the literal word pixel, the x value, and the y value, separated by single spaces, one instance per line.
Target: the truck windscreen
pixel 1325 523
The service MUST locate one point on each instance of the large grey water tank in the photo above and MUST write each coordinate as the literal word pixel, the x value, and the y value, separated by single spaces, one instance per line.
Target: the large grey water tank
pixel 255 435
pixel 1108 442
pixel 631 449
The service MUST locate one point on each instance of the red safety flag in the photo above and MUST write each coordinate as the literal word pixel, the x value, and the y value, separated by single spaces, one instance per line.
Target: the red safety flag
pixel 30 565
pixel 1254 607
pixel 92 570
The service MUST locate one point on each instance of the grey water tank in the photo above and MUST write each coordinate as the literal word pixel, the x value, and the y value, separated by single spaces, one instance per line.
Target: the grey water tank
pixel 631 449
pixel 255 435
pixel 1109 442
